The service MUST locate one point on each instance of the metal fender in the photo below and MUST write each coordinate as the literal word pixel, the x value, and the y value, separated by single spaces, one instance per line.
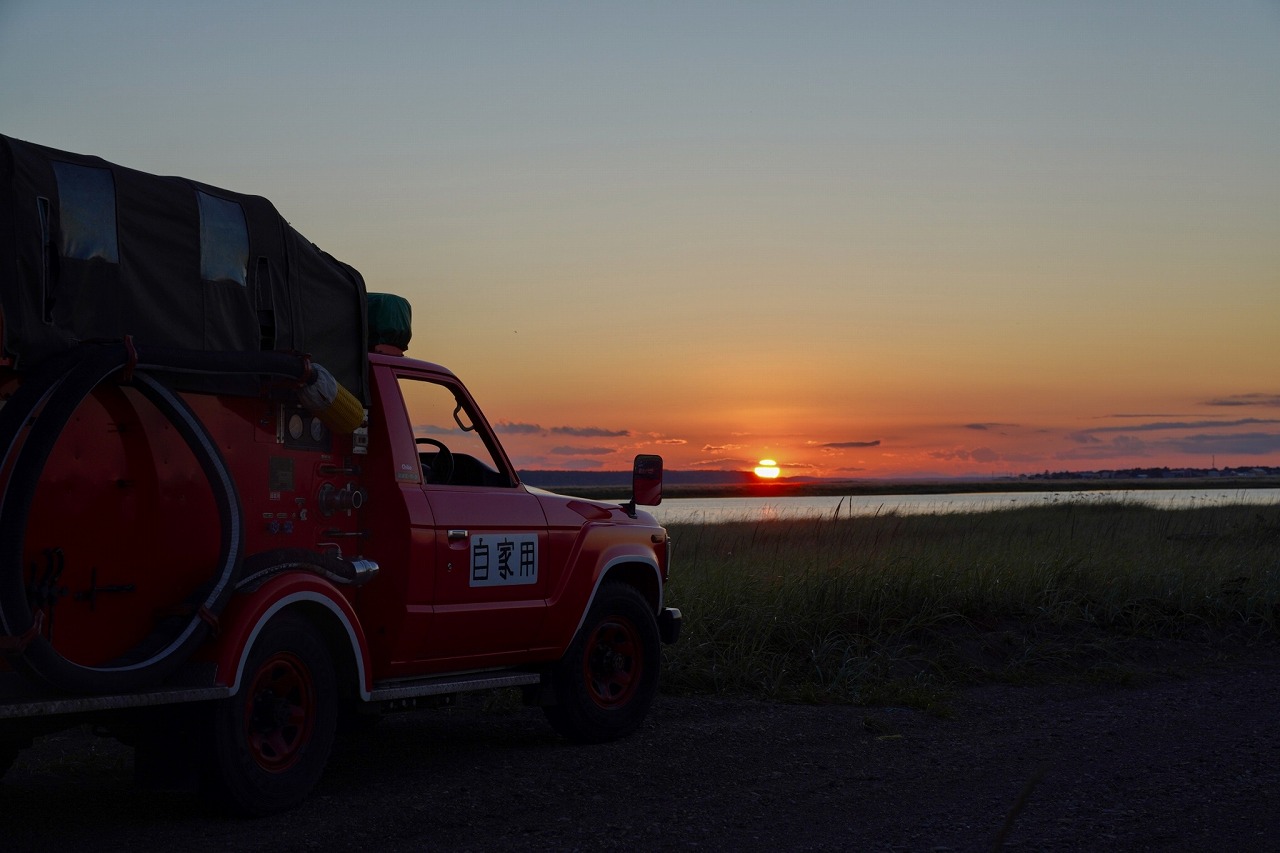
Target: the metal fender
pixel 627 562
pixel 246 615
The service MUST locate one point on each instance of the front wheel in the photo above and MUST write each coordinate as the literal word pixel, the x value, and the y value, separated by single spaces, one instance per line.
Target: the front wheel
pixel 605 682
pixel 272 739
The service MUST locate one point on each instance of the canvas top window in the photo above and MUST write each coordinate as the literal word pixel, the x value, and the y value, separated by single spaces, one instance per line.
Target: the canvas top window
pixel 86 212
pixel 224 240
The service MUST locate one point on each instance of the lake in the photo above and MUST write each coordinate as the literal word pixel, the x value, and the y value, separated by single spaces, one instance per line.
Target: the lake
pixel 715 510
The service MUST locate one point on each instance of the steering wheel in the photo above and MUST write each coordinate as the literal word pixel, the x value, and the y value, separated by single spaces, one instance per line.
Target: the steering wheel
pixel 441 470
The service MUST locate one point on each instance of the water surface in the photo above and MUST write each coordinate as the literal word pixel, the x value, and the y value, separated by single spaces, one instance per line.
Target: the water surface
pixel 715 510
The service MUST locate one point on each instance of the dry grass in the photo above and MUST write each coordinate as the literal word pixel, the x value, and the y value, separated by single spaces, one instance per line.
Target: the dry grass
pixel 905 608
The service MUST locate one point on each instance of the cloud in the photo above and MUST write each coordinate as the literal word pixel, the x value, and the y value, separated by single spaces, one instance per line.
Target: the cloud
pixel 432 429
pixel 1022 457
pixel 533 462
pixel 719 448
pixel 1243 444
pixel 1269 400
pixel 987 426
pixel 845 445
pixel 1200 444
pixel 565 450
pixel 980 454
pixel 1121 445
pixel 1159 426
pixel 591 432
pixel 543 463
pixel 513 428
pixel 670 441
pixel 720 463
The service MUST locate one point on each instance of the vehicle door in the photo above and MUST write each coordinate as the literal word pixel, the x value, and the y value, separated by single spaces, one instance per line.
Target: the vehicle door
pixel 490 534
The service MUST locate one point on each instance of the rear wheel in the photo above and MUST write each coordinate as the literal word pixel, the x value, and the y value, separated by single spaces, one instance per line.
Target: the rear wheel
pixel 607 679
pixel 273 738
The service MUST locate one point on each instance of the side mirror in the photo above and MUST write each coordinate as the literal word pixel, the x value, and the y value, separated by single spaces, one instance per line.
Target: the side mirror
pixel 646 482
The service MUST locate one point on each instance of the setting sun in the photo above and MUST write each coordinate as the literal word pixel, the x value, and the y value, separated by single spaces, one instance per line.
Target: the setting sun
pixel 767 469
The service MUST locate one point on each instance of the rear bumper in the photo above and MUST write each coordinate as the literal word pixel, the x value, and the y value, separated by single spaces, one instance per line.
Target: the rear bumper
pixel 669 622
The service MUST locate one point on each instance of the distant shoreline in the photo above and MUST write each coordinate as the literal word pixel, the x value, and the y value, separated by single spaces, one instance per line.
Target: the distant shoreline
pixel 794 489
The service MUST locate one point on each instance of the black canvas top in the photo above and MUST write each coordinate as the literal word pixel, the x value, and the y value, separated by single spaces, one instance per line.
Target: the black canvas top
pixel 92 250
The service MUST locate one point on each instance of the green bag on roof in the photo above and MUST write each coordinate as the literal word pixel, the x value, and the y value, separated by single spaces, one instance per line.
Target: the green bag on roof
pixel 390 320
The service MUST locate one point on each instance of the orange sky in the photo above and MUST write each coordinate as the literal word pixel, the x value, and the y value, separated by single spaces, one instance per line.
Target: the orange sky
pixel 862 239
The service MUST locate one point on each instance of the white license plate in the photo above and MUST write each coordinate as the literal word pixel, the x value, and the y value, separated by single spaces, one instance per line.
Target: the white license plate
pixel 504 559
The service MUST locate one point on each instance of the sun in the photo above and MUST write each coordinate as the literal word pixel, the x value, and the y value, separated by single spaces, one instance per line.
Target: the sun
pixel 767 469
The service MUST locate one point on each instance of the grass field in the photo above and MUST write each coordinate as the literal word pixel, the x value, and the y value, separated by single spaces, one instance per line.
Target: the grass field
pixel 905 609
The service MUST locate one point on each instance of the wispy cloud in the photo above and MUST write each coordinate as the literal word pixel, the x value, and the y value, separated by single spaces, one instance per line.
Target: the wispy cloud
pixel 1120 446
pixel 672 441
pixel 846 445
pixel 590 432
pixel 991 425
pixel 720 463
pixel 513 428
pixel 582 464
pixel 565 450
pixel 1268 400
pixel 1248 444
pixel 978 454
pixel 1157 426
pixel 720 448
pixel 529 461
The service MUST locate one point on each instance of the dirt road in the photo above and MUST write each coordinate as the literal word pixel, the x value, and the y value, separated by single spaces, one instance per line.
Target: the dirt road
pixel 1177 763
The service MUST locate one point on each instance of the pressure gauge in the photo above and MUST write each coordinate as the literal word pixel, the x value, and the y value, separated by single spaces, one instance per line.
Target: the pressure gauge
pixel 295 426
pixel 317 429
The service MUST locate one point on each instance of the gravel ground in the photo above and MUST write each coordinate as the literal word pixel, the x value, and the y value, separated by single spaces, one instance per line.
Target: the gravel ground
pixel 1187 762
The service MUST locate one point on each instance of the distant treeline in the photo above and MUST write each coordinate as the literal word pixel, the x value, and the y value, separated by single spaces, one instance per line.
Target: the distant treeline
pixel 1164 473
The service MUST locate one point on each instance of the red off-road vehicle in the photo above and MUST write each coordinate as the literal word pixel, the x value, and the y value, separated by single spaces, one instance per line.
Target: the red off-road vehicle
pixel 234 515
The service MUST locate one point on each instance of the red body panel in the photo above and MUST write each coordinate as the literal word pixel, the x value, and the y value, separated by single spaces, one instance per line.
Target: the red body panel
pixel 245 616
pixel 125 520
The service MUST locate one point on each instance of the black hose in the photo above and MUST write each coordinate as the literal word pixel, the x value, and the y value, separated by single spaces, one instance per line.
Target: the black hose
pixel 26 403
pixel 48 399
pixel 267 564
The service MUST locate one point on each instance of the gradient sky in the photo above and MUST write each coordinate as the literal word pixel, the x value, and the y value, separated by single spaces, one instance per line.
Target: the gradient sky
pixel 864 239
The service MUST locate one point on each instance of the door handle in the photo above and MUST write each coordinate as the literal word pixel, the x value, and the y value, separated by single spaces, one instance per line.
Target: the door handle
pixel 456 535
